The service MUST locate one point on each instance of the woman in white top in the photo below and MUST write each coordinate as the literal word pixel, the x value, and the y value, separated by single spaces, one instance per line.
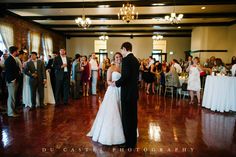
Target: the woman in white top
pixel 194 83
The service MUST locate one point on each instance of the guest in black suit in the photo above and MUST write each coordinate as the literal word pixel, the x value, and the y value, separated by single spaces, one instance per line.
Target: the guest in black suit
pixel 62 67
pixel 51 71
pixel 35 69
pixel 129 94
pixel 12 72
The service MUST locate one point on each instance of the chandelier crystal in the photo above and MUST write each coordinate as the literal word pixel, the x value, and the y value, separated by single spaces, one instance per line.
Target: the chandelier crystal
pixel 83 22
pixel 174 18
pixel 103 37
pixel 157 37
pixel 127 13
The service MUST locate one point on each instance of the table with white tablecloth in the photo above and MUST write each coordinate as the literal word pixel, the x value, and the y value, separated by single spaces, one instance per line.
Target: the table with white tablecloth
pixel 220 93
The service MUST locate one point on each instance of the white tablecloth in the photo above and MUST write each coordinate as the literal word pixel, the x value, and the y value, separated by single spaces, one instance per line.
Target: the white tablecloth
pixel 220 93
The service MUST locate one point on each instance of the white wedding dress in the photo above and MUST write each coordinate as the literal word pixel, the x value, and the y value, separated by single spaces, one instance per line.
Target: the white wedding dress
pixel 107 128
pixel 48 93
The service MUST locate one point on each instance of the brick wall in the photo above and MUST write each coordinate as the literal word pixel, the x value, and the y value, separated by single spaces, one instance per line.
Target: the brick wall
pixel 21 28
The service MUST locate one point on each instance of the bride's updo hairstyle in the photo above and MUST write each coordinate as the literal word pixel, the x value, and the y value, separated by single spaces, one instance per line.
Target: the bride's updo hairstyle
pixel 113 59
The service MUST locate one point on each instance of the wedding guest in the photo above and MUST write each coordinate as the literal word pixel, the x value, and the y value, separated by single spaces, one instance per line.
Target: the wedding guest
pixel 35 69
pixel 86 75
pixel 12 75
pixel 174 77
pixel 62 66
pixel 219 66
pixel 233 60
pixel 76 76
pixel 233 69
pixel 94 73
pixel 19 61
pixel 176 65
pixel 51 70
pixel 194 83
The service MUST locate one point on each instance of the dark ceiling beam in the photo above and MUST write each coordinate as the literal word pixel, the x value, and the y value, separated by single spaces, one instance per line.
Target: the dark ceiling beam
pixel 137 3
pixel 142 25
pixel 146 35
pixel 124 31
pixel 142 16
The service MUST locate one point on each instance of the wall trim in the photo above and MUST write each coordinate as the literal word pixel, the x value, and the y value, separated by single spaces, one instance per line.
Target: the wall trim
pixel 197 51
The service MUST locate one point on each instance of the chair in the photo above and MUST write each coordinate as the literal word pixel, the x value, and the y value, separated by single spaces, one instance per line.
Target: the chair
pixel 184 90
pixel 169 85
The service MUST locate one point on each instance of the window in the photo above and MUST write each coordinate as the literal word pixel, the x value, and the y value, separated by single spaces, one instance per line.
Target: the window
pixel 34 41
pixel 7 37
pixel 100 45
pixel 47 43
pixel 2 45
pixel 159 50
pixel 158 55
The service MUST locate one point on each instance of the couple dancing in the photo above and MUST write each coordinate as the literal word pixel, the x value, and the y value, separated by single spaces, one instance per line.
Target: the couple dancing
pixel 116 120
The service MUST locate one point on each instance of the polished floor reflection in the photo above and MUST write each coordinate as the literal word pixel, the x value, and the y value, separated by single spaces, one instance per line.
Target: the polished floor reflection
pixel 167 127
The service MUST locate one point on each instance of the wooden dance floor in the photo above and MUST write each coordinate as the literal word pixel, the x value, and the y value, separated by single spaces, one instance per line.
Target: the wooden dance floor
pixel 167 127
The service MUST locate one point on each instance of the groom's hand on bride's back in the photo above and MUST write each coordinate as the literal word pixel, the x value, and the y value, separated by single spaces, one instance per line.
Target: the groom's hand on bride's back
pixel 113 84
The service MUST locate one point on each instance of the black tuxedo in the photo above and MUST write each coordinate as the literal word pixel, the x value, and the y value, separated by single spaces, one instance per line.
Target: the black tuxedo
pixel 62 79
pixel 129 97
pixel 12 71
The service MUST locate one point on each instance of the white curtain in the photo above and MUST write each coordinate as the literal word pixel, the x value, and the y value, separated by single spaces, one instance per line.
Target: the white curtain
pixel 47 46
pixel 7 35
pixel 34 41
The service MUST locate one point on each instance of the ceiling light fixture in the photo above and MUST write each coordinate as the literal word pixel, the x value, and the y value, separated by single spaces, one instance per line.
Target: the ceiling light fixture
pixel 127 13
pixel 203 8
pixel 173 18
pixel 157 37
pixel 103 6
pixel 158 4
pixel 103 37
pixel 83 21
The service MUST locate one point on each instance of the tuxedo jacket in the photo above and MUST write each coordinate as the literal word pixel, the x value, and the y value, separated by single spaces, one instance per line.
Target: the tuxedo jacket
pixel 12 70
pixel 30 69
pixel 129 78
pixel 59 72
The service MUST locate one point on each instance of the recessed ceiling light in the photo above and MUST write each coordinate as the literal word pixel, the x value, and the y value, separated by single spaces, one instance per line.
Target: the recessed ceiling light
pixel 103 6
pixel 158 4
pixel 179 26
pixel 156 26
pixel 203 8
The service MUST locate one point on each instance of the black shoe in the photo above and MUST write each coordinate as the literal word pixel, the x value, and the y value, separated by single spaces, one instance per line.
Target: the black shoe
pixel 32 108
pixel 42 106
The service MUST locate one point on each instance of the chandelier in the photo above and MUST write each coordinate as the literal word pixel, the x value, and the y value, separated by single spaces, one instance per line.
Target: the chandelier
pixel 127 13
pixel 103 37
pixel 174 18
pixel 157 37
pixel 82 21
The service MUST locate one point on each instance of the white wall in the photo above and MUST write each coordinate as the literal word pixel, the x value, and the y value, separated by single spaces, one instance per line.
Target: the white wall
pixel 142 46
pixel 214 38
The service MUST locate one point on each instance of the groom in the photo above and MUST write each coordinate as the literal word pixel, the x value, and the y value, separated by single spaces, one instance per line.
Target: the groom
pixel 129 94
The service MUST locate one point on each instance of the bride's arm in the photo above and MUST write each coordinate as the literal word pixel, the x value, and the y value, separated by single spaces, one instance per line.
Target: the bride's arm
pixel 109 78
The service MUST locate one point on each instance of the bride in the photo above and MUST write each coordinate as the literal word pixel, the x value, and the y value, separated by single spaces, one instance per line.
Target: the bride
pixel 107 128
